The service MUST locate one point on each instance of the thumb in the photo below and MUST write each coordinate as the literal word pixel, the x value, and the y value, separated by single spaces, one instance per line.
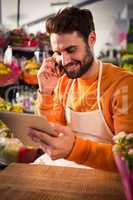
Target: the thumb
pixel 61 129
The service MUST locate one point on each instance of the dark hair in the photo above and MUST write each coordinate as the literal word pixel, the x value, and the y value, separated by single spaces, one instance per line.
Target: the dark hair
pixel 71 19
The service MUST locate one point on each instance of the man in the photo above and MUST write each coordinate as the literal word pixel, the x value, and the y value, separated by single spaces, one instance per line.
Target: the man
pixel 90 103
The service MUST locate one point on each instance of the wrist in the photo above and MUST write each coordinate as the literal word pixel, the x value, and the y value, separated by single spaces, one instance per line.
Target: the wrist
pixel 46 93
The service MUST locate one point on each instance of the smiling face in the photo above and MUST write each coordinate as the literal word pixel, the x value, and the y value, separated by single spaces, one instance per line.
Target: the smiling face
pixel 73 53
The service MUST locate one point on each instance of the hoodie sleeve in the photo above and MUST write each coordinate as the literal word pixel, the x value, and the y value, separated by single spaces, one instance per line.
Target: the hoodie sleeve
pixel 93 154
pixel 51 107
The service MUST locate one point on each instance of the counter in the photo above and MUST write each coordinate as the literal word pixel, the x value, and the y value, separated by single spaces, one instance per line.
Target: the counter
pixel 39 182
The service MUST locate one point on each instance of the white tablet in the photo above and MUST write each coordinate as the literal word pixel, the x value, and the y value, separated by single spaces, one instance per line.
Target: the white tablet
pixel 20 122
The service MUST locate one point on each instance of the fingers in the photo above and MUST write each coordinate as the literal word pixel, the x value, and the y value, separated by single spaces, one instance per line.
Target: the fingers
pixel 58 62
pixel 58 146
pixel 41 137
pixel 60 129
pixel 48 68
pixel 45 147
pixel 42 145
pixel 33 137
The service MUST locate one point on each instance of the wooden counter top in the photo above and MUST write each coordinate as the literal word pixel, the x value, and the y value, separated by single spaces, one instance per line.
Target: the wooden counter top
pixel 39 182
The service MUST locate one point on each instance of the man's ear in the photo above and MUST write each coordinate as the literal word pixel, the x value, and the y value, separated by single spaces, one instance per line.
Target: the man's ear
pixel 92 39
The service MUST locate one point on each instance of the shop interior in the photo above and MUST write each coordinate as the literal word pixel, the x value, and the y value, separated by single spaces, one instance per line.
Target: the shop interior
pixel 24 44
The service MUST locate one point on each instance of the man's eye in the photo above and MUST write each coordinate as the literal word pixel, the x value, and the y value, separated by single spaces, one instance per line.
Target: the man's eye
pixel 71 50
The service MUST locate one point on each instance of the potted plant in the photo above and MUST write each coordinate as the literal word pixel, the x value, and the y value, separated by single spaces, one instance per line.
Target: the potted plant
pixel 123 154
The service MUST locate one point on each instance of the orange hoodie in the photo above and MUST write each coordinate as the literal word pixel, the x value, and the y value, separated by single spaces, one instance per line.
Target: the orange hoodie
pixel 117 106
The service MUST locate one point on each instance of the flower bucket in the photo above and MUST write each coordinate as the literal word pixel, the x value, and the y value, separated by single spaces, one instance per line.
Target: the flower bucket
pixel 126 176
pixel 10 78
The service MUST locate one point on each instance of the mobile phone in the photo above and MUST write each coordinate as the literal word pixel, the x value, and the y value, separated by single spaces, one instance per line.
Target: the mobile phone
pixel 59 68
pixel 58 65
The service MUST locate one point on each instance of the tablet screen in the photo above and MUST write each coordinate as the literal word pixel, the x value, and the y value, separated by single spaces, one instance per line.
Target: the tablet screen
pixel 19 123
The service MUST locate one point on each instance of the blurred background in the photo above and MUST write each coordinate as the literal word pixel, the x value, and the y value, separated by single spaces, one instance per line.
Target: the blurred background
pixel 110 15
pixel 24 43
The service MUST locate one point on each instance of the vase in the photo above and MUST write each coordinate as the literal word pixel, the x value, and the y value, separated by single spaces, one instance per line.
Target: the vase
pixel 126 176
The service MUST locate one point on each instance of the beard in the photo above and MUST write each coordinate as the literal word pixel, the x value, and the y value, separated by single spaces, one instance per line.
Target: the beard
pixel 83 66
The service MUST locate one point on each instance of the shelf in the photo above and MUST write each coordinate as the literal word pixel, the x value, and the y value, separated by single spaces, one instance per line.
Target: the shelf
pixel 25 49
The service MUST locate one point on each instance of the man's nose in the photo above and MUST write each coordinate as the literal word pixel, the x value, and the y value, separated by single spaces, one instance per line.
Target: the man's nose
pixel 65 58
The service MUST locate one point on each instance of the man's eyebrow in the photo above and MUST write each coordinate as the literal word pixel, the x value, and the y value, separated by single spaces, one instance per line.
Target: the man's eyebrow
pixel 65 49
pixel 72 46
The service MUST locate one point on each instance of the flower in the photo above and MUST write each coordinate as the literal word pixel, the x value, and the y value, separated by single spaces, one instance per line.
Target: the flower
pixel 123 147
pixel 120 137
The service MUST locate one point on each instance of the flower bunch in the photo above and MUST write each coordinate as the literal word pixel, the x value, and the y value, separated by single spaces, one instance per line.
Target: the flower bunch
pixel 3 41
pixel 123 147
pixel 18 37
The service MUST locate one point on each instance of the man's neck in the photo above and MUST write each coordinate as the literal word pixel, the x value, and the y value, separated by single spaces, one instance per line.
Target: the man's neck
pixel 94 69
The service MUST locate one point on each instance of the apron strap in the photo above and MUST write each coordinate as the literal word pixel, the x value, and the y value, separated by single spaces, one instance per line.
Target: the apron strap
pixel 98 99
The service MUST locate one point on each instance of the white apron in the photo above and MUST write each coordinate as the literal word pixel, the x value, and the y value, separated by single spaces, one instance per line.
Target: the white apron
pixel 88 125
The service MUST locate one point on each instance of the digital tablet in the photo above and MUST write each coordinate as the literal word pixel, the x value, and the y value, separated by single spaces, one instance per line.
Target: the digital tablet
pixel 19 123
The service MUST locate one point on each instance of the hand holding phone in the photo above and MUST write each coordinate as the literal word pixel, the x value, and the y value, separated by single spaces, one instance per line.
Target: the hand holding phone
pixel 58 65
pixel 47 76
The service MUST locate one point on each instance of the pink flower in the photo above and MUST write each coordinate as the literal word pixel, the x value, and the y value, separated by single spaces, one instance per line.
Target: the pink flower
pixel 130 152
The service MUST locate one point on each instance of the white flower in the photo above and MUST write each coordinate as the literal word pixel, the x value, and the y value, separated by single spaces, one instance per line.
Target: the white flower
pixel 119 136
pixel 116 149
pixel 129 136
pixel 2 141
